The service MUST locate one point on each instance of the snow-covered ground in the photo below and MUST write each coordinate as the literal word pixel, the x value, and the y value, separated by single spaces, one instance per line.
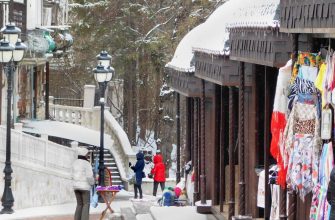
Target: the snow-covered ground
pixel 145 209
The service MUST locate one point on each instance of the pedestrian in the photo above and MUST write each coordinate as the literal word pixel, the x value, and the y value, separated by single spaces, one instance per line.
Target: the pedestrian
pixel 139 174
pixel 158 172
pixel 331 194
pixel 82 176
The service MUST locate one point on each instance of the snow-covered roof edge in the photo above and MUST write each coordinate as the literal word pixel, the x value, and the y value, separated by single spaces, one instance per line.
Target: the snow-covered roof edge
pixel 256 14
pixel 180 69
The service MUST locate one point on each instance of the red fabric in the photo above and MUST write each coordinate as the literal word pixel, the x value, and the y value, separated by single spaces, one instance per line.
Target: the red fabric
pixel 278 123
pixel 159 169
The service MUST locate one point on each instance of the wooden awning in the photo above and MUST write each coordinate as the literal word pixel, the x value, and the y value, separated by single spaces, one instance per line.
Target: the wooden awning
pixel 186 84
pixel 260 46
pixel 307 16
pixel 219 69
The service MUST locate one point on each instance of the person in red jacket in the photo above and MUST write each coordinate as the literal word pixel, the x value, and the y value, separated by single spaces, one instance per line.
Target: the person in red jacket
pixel 158 173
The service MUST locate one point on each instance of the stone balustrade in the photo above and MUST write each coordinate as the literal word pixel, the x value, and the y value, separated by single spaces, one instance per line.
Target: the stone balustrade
pixel 41 170
pixel 89 116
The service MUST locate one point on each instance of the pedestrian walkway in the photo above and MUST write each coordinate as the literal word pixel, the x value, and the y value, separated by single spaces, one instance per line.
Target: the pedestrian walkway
pixel 124 205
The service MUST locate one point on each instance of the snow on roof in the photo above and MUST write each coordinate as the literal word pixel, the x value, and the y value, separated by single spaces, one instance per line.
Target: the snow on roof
pixel 214 36
pixel 256 13
pixel 183 56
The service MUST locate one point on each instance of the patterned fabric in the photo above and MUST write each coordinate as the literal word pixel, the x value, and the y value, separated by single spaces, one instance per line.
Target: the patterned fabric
pixel 320 208
pixel 304 126
pixel 301 150
pixel 300 86
pixel 302 168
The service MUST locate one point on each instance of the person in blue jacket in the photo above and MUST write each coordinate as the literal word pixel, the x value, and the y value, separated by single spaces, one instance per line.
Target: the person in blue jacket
pixel 139 174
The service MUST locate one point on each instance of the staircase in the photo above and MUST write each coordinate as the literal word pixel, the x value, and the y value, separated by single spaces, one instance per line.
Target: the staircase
pixel 110 164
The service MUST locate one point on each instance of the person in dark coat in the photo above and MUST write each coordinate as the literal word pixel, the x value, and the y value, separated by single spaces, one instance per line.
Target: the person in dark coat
pixel 331 194
pixel 158 173
pixel 139 174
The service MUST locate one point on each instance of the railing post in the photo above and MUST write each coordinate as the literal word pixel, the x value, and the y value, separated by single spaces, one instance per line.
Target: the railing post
pixel 89 92
pixel 45 138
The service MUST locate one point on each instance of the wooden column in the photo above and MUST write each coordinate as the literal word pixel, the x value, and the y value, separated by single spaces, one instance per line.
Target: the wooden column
pixel 202 142
pixel 266 145
pixel 292 207
pixel 241 142
pixel 231 156
pixel 195 150
pixel 222 151
pixel 188 129
pixel 178 137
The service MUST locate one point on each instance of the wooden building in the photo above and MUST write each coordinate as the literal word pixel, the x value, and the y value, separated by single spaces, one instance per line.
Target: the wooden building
pixel 31 80
pixel 229 136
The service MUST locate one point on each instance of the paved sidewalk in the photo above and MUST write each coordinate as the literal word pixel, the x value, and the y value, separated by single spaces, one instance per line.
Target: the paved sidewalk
pixel 66 211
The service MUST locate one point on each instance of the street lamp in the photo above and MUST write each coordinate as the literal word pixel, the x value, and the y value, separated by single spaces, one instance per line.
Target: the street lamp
pixel 11 53
pixel 103 73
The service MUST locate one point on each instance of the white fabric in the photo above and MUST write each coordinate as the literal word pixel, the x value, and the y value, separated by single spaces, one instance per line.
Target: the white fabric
pixel 261 190
pixel 284 75
pixel 82 151
pixel 82 175
pixel 275 190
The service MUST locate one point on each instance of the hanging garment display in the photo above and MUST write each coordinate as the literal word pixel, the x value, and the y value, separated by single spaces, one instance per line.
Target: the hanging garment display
pixel 302 146
pixel 320 208
pixel 278 119
pixel 326 124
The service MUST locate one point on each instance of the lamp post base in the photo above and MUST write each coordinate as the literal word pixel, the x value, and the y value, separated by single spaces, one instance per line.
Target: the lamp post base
pixel 7 211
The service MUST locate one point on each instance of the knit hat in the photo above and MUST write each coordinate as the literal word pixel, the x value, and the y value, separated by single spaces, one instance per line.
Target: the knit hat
pixel 81 151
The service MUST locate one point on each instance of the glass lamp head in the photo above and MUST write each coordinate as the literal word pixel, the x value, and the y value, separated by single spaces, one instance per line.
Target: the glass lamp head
pixel 11 33
pixel 100 74
pixel 104 59
pixel 19 51
pixel 6 51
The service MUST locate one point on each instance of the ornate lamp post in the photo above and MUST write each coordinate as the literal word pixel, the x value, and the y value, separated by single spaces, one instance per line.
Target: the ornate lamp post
pixel 103 73
pixel 11 53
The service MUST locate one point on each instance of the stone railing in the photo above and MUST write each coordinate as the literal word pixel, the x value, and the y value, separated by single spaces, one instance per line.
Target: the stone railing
pixel 27 149
pixel 41 170
pixel 90 117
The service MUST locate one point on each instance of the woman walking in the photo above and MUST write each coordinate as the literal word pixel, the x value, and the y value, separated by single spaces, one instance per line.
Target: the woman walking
pixel 159 173
pixel 82 176
pixel 139 174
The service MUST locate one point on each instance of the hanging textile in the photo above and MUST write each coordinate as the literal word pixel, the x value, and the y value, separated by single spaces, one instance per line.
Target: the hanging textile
pixel 320 208
pixel 302 145
pixel 278 119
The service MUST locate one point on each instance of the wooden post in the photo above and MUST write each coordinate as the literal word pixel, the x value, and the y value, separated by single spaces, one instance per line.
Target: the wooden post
pixel 222 151
pixel 241 142
pixel 231 156
pixel 178 138
pixel 266 145
pixel 292 209
pixel 202 140
pixel 195 151
pixel 188 129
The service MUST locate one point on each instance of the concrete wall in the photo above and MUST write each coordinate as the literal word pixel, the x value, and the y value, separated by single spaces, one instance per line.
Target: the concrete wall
pixel 33 186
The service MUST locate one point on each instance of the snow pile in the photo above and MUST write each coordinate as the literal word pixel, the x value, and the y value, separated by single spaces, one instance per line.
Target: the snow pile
pixel 173 168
